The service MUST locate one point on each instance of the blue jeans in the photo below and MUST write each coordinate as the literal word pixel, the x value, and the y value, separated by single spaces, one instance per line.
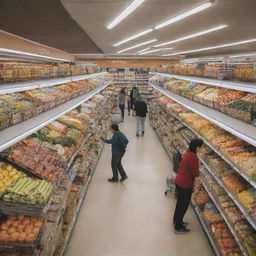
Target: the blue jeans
pixel 121 106
pixel 116 165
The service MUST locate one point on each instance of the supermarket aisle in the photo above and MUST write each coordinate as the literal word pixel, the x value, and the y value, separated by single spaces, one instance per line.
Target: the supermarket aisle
pixel 134 218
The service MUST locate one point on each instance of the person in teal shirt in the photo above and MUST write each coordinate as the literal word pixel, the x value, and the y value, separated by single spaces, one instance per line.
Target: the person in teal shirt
pixel 119 143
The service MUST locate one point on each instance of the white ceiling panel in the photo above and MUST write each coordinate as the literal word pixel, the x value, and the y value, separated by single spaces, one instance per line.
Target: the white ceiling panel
pixel 239 15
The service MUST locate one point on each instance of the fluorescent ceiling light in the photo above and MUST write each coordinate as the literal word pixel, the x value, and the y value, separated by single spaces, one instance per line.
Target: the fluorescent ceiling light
pixel 177 18
pixel 243 55
pixel 4 50
pixel 133 37
pixel 190 60
pixel 214 47
pixel 156 50
pixel 192 35
pixel 138 45
pixel 135 4
pixel 143 50
pixel 185 14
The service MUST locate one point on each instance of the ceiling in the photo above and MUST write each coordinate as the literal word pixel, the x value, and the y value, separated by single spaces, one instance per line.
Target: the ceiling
pixel 46 22
pixel 239 15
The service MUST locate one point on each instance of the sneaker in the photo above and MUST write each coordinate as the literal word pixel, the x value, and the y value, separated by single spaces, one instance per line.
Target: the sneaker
pixel 137 135
pixel 142 134
pixel 112 180
pixel 183 223
pixel 128 114
pixel 182 230
pixel 123 179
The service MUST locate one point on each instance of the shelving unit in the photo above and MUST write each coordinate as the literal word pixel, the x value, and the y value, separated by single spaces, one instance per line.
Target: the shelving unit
pixel 158 122
pixel 206 229
pixel 240 86
pixel 236 127
pixel 52 211
pixel 234 199
pixel 24 86
pixel 15 133
pixel 83 194
pixel 230 226
pixel 127 78
pixel 186 103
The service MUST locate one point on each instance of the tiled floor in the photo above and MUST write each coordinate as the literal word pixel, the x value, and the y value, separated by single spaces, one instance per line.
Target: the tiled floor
pixel 134 218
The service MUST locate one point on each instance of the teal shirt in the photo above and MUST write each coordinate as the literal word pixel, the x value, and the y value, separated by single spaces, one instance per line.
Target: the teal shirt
pixel 114 141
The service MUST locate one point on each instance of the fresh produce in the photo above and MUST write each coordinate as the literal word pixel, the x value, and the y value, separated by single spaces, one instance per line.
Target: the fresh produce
pixel 17 71
pixel 244 72
pixel 20 229
pixel 8 175
pixel 29 191
pixel 38 159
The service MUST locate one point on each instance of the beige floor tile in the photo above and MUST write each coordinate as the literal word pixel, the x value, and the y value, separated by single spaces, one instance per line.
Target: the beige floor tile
pixel 134 218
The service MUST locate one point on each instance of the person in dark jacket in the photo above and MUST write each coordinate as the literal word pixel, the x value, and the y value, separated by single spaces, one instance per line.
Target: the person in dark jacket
pixel 118 142
pixel 134 94
pixel 122 98
pixel 184 181
pixel 141 113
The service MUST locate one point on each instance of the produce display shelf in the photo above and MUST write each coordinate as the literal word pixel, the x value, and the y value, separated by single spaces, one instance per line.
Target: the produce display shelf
pixel 9 208
pixel 206 229
pixel 130 80
pixel 167 151
pixel 83 194
pixel 234 199
pixel 15 133
pixel 24 86
pixel 230 226
pixel 248 179
pixel 238 204
pixel 238 128
pixel 235 85
pixel 52 224
pixel 124 75
pixel 59 183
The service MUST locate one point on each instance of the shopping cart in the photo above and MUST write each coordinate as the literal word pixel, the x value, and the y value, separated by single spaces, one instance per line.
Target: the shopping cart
pixel 170 184
pixel 170 181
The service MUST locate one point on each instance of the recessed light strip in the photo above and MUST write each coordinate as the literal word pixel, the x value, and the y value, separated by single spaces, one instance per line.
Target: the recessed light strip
pixel 192 35
pixel 243 55
pixel 133 37
pixel 156 50
pixel 214 47
pixel 168 22
pixel 144 50
pixel 135 4
pixel 138 45
pixel 5 50
pixel 185 14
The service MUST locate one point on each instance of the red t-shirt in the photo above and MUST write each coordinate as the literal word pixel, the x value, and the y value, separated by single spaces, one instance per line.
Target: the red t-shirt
pixel 189 169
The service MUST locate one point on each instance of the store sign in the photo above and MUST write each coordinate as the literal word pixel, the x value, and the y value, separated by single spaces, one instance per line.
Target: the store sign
pixel 118 62
pixel 44 51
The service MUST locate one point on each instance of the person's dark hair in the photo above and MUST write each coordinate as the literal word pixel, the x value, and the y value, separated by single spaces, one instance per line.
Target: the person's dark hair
pixel 194 144
pixel 123 91
pixel 115 127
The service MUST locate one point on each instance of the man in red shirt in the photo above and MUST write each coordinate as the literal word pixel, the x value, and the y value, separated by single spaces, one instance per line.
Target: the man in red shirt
pixel 184 181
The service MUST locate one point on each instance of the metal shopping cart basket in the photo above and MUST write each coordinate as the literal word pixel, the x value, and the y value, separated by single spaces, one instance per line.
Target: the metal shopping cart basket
pixel 170 181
